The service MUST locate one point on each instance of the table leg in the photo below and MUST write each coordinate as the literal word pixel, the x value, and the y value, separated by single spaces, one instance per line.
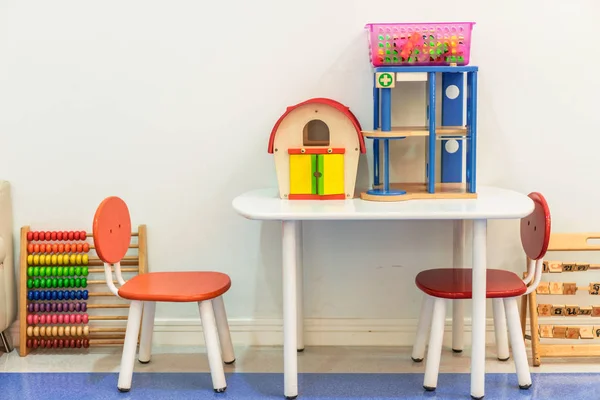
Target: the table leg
pixel 299 287
pixel 290 355
pixel 479 305
pixel 458 306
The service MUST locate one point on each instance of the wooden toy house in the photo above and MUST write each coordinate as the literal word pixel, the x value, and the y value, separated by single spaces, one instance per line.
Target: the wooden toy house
pixel 412 52
pixel 317 145
pixel 455 180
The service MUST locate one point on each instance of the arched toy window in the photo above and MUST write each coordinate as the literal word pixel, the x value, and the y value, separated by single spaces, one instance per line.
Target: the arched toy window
pixel 316 133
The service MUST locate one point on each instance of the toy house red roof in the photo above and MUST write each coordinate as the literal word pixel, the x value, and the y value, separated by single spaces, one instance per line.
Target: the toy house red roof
pixel 332 103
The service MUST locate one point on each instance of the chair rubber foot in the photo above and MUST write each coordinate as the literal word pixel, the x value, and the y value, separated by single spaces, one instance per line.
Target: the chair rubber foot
pixel 477 398
pixel 525 387
pixel 230 362
pixel 503 359
pixel 416 359
pixel 221 390
pixel 123 390
pixel 457 350
pixel 429 388
pixel 143 362
pixel 301 350
pixel 291 397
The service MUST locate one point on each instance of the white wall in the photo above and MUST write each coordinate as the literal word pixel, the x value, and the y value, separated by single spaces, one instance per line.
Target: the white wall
pixel 169 104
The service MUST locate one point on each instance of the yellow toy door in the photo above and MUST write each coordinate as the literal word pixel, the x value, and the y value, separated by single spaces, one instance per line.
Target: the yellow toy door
pixel 332 171
pixel 302 177
pixel 315 176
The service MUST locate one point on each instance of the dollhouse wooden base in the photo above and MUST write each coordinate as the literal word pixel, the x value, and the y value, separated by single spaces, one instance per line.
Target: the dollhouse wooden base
pixel 418 190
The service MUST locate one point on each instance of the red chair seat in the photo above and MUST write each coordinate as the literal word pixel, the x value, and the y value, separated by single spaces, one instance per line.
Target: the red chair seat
pixel 176 286
pixel 450 283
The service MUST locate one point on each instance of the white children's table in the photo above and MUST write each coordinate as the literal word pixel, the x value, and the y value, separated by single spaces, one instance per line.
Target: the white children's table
pixel 492 203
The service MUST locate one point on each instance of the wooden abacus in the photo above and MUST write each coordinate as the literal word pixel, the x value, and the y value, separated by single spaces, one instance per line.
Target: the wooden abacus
pixel 578 322
pixel 54 297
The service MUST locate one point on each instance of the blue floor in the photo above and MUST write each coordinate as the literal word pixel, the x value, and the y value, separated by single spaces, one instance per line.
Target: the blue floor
pixel 255 386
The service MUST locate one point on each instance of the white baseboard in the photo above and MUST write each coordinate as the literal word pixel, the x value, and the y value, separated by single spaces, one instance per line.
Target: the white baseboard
pixel 317 332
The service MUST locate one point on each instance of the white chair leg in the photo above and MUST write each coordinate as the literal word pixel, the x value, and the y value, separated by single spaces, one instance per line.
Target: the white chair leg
pixel 458 306
pixel 223 329
pixel 458 325
pixel 418 352
pixel 147 330
pixel 500 330
pixel 434 352
pixel 211 340
pixel 517 342
pixel 130 346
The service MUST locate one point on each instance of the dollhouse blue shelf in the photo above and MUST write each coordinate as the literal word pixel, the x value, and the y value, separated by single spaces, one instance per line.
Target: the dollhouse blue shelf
pixel 452 127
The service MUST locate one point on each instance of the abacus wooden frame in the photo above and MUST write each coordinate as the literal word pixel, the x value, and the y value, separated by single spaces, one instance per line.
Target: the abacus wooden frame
pixel 103 336
pixel 559 242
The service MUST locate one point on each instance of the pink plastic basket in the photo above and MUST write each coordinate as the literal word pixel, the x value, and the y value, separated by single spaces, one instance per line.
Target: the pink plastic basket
pixel 429 43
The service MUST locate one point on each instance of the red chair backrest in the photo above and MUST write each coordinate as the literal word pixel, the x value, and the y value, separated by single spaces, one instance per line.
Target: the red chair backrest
pixel 112 230
pixel 536 227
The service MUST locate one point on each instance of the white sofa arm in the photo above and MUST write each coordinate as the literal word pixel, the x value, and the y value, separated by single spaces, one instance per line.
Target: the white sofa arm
pixel 2 250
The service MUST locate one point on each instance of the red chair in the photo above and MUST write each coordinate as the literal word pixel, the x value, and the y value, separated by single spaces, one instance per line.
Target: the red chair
pixel 112 236
pixel 504 287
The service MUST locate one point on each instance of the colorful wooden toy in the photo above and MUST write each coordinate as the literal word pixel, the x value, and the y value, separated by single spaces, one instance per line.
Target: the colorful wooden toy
pixel 419 53
pixel 56 294
pixel 317 145
pixel 555 315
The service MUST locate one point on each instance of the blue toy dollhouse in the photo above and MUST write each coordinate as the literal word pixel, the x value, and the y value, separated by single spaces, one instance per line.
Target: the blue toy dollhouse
pixel 458 178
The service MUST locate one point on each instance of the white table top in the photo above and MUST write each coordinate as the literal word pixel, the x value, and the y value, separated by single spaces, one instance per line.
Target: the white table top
pixel 491 203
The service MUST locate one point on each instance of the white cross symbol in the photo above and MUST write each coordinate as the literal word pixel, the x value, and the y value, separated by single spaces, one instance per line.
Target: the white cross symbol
pixel 385 80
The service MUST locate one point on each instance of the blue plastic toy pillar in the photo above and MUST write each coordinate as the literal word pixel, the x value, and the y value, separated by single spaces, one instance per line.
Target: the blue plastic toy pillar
pixel 386 109
pixel 472 137
pixel 452 115
pixel 432 135
pixel 376 179
pixel 386 126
